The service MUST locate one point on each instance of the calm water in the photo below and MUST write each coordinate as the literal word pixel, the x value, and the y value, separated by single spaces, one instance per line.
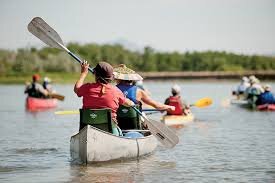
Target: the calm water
pixel 224 144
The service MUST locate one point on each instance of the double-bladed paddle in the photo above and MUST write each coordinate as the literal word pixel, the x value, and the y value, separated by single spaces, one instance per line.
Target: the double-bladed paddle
pixel 48 35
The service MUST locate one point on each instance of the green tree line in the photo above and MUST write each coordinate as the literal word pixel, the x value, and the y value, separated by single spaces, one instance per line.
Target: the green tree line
pixel 26 61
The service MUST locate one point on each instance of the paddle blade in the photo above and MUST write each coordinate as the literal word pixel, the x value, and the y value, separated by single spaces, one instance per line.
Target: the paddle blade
pixel 203 102
pixel 57 96
pixel 45 33
pixel 166 136
pixel 66 112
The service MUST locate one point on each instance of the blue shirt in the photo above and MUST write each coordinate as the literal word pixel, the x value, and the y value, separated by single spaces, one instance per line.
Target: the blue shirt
pixel 266 98
pixel 130 91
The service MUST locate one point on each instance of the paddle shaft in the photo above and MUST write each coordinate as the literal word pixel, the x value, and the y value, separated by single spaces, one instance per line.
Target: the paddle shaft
pixel 74 56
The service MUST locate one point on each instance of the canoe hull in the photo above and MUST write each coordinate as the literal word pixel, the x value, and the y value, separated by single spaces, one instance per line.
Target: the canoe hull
pixel 266 107
pixel 249 105
pixel 172 120
pixel 94 145
pixel 38 103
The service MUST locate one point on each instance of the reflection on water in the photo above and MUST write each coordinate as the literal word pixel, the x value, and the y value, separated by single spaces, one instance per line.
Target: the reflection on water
pixel 120 171
pixel 224 144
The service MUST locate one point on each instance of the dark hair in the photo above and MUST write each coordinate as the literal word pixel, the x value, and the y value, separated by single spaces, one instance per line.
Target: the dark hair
pixel 102 80
pixel 174 93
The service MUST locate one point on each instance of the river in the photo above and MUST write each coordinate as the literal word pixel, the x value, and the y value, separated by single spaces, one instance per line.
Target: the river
pixel 225 143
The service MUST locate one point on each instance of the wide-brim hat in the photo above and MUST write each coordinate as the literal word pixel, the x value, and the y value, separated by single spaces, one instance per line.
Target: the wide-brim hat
pixel 121 72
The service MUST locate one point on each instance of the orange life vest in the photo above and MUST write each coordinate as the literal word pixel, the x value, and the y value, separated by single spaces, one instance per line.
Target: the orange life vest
pixel 176 102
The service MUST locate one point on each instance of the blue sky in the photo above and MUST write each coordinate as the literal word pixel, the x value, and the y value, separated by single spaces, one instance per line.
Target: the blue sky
pixel 240 26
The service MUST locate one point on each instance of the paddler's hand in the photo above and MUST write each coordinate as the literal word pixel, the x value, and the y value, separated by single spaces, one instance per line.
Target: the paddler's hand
pixel 171 108
pixel 129 103
pixel 84 67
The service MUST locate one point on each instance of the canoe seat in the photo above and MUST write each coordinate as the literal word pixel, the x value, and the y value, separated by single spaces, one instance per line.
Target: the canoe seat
pixel 99 118
pixel 128 118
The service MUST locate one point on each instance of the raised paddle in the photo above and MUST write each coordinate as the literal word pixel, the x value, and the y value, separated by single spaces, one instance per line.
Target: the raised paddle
pixel 48 35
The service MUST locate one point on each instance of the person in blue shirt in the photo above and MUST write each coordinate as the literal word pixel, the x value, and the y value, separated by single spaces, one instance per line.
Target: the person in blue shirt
pixel 267 97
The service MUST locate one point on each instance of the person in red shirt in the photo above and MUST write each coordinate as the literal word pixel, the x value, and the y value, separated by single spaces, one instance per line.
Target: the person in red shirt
pixel 181 108
pixel 100 94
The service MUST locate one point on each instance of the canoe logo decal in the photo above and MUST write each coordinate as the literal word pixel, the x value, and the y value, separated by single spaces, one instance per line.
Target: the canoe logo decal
pixel 160 136
pixel 124 110
pixel 93 115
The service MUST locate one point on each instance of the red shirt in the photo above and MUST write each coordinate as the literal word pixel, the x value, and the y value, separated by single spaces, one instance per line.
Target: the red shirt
pixel 94 99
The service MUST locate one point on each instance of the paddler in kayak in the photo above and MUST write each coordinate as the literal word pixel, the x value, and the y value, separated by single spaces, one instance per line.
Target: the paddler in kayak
pixel 181 107
pixel 35 89
pixel 101 94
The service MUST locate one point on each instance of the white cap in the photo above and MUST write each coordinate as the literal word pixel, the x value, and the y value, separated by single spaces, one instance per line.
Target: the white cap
pixel 46 79
pixel 267 87
pixel 245 79
pixel 176 88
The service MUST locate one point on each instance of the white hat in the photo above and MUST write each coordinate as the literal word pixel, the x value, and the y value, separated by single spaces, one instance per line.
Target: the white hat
pixel 245 79
pixel 267 87
pixel 46 79
pixel 176 88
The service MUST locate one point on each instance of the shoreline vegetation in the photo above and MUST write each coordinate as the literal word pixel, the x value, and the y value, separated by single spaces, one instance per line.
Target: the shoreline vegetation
pixel 70 78
pixel 18 66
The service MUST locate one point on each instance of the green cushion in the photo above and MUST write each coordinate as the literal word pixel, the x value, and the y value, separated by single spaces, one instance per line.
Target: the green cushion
pixel 128 118
pixel 126 112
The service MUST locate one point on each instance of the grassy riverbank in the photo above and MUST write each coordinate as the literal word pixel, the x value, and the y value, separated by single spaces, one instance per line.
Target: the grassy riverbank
pixel 63 78
pixel 72 77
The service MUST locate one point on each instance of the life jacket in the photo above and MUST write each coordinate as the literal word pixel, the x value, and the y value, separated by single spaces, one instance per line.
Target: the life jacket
pixel 33 92
pixel 130 91
pixel 176 102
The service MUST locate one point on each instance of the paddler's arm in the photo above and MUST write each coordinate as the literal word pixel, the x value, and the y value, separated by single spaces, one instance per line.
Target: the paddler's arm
pixel 84 72
pixel 142 96
pixel 42 90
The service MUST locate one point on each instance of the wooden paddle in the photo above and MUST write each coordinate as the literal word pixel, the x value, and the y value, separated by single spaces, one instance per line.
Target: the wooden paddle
pixel 48 35
pixel 57 96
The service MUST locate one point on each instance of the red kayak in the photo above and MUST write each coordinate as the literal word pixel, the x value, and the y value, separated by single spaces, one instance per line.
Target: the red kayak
pixel 34 104
pixel 266 107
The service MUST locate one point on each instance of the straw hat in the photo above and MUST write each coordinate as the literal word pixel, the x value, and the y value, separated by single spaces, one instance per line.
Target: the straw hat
pixel 123 73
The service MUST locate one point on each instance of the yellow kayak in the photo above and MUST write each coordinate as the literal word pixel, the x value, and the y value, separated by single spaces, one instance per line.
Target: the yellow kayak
pixel 174 120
